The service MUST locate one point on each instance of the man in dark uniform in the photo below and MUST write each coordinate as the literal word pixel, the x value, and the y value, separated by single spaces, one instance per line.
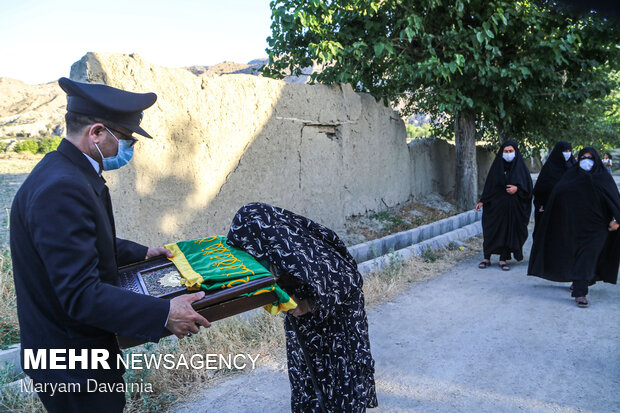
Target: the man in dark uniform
pixel 66 254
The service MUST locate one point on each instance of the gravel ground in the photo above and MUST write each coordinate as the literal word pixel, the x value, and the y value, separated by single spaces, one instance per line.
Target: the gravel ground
pixel 472 340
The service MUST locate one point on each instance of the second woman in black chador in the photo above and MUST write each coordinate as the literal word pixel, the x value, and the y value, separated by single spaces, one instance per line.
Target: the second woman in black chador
pixel 560 159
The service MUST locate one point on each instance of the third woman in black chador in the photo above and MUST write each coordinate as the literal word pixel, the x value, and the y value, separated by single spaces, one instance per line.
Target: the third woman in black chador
pixel 507 202
pixel 577 239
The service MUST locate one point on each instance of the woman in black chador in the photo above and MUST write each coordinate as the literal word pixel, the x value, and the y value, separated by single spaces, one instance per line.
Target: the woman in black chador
pixel 560 159
pixel 330 323
pixel 577 240
pixel 507 202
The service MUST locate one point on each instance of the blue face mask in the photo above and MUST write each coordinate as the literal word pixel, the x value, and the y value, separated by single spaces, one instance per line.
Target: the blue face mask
pixel 509 156
pixel 586 164
pixel 123 156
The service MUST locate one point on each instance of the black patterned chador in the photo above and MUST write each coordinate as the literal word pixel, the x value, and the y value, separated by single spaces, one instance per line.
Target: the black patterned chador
pixel 335 333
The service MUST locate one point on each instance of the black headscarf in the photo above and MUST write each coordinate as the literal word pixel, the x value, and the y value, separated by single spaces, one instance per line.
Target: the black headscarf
pixel 573 242
pixel 504 173
pixel 552 172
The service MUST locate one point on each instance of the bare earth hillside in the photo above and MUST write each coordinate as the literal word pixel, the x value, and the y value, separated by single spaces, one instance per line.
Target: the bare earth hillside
pixel 31 110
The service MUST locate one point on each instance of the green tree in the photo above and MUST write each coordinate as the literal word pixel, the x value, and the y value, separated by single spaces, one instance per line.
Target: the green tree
pixel 479 68
pixel 419 132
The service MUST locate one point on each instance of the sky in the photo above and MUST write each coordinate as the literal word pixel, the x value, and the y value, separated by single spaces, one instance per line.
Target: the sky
pixel 41 39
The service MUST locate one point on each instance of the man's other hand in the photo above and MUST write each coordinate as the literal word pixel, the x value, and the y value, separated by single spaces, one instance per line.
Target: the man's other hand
pixel 154 252
pixel 182 318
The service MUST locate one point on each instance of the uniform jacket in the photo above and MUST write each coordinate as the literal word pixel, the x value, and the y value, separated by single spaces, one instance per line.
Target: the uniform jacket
pixel 65 257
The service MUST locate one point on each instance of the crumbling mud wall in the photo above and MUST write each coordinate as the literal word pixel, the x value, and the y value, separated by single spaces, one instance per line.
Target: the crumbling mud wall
pixel 220 142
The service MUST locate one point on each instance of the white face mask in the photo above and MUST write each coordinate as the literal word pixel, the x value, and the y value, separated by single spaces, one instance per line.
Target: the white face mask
pixel 566 155
pixel 586 164
pixel 508 157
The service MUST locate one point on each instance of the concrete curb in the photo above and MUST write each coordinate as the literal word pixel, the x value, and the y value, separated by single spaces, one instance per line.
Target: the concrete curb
pixel 417 250
pixel 372 249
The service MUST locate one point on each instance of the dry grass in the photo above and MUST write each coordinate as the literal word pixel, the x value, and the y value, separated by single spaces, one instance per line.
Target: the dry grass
pixel 14 169
pixel 18 163
pixel 261 335
pixel 382 286
pixel 14 401
pixel 9 326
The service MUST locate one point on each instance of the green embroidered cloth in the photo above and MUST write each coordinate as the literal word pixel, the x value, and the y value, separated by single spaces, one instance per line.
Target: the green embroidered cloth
pixel 211 264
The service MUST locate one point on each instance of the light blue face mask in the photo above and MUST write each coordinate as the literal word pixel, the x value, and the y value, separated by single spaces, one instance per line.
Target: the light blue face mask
pixel 123 156
pixel 509 156
pixel 586 164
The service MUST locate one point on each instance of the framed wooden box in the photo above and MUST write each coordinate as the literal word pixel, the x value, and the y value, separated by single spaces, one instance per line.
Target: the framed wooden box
pixel 144 278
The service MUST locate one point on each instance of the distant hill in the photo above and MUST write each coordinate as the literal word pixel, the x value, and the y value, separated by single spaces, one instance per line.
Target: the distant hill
pixel 36 110
pixel 31 110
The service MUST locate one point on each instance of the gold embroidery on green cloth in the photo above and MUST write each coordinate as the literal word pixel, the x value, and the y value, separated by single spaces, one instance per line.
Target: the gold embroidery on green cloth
pixel 210 263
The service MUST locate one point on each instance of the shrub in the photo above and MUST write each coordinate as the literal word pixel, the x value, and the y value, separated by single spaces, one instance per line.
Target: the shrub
pixel 49 144
pixel 44 145
pixel 29 145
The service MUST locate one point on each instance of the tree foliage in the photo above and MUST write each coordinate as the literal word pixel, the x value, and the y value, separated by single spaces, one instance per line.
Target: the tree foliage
pixel 523 69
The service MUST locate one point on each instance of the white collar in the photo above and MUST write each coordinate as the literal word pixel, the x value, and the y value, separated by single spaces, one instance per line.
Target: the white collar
pixel 94 163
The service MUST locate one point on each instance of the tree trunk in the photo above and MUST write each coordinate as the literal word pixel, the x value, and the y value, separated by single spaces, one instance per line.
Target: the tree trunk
pixel 466 189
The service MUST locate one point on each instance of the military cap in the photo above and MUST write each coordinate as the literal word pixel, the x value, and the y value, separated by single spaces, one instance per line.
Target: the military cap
pixel 121 107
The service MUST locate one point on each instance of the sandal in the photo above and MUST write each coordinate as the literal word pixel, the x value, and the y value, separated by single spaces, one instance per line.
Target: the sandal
pixel 581 302
pixel 484 264
pixel 504 266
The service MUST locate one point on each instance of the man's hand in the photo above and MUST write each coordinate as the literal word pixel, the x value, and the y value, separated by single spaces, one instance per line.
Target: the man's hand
pixel 154 252
pixel 541 209
pixel 479 206
pixel 303 307
pixel 511 189
pixel 182 318
pixel 613 225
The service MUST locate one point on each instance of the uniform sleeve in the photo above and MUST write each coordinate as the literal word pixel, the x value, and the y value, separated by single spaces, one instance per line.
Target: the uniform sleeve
pixel 128 252
pixel 62 224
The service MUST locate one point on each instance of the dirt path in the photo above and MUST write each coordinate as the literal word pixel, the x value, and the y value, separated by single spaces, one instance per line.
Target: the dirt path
pixel 472 340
